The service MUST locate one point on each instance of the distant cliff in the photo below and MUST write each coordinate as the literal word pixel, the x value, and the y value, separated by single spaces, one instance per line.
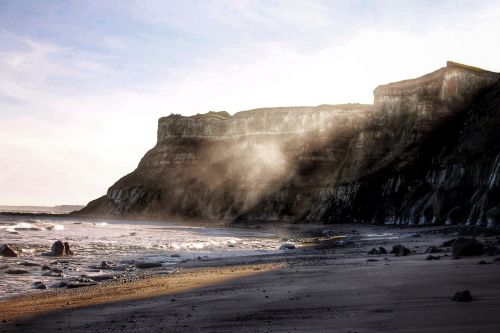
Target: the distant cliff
pixel 426 151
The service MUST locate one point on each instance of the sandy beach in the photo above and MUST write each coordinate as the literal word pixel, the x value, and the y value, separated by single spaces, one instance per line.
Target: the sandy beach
pixel 311 289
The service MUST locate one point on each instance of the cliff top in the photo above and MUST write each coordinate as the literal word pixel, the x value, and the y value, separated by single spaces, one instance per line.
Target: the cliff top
pixel 435 76
pixel 223 115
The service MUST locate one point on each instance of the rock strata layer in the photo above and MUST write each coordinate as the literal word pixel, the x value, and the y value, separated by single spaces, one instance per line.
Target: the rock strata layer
pixel 426 152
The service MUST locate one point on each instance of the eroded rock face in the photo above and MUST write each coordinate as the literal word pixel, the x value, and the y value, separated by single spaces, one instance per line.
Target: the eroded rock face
pixel 427 151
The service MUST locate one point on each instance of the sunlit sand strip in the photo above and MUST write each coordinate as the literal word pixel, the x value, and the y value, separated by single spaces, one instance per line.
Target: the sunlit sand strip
pixel 184 280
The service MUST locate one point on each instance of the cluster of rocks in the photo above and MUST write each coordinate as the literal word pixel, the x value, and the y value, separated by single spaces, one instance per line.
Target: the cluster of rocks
pixel 60 249
pixel 460 247
pixel 398 251
pixel 57 249
pixel 57 269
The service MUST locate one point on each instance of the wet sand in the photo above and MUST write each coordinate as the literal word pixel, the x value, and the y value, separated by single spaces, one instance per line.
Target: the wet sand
pixel 302 290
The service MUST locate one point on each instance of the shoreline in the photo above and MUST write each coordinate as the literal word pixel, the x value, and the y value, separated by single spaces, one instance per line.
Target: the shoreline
pixel 139 288
pixel 321 287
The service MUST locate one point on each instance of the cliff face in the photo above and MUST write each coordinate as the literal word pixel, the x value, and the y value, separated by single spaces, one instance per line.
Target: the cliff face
pixel 427 151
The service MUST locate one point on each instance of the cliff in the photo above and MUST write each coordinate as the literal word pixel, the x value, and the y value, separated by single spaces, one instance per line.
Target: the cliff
pixel 426 151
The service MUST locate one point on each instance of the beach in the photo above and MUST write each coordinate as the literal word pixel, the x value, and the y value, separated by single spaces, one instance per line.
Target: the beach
pixel 321 288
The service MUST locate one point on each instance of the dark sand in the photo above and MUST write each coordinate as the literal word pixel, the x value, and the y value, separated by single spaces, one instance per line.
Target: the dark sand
pixel 303 290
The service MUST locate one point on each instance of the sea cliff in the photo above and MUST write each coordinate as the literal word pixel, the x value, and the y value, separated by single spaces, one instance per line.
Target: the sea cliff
pixel 426 152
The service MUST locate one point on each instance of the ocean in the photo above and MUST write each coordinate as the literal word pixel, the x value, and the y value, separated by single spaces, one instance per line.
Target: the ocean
pixel 120 244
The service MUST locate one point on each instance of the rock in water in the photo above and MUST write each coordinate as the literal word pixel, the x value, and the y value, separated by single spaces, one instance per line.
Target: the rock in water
pixel 105 264
pixel 287 246
pixel 467 247
pixel 400 250
pixel 462 296
pixel 374 251
pixel 382 250
pixel 67 250
pixel 57 249
pixel 39 285
pixel 60 249
pixel 8 250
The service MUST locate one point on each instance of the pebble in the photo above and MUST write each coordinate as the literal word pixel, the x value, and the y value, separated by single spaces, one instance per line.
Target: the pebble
pixel 462 296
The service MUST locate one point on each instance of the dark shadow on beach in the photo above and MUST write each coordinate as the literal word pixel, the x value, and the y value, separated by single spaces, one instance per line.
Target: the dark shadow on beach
pixel 317 290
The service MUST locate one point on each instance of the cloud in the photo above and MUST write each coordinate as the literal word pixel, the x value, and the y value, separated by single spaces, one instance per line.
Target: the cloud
pixel 80 117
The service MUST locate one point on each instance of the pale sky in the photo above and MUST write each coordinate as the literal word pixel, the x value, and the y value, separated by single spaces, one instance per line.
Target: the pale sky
pixel 82 83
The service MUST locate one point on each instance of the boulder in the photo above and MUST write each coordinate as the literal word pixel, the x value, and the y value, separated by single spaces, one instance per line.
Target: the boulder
pixel 57 248
pixel 287 246
pixel 462 296
pixel 105 264
pixel 400 250
pixel 39 285
pixel 382 250
pixel 67 250
pixel 467 247
pixel 60 249
pixel 8 250
pixel 374 251
pixel 433 249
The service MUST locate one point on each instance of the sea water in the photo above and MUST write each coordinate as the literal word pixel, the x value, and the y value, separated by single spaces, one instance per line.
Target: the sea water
pixel 119 243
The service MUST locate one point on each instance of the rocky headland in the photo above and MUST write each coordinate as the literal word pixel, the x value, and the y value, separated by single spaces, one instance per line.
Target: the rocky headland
pixel 426 152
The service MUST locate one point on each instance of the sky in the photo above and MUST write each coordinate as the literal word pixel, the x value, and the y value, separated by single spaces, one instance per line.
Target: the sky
pixel 83 83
